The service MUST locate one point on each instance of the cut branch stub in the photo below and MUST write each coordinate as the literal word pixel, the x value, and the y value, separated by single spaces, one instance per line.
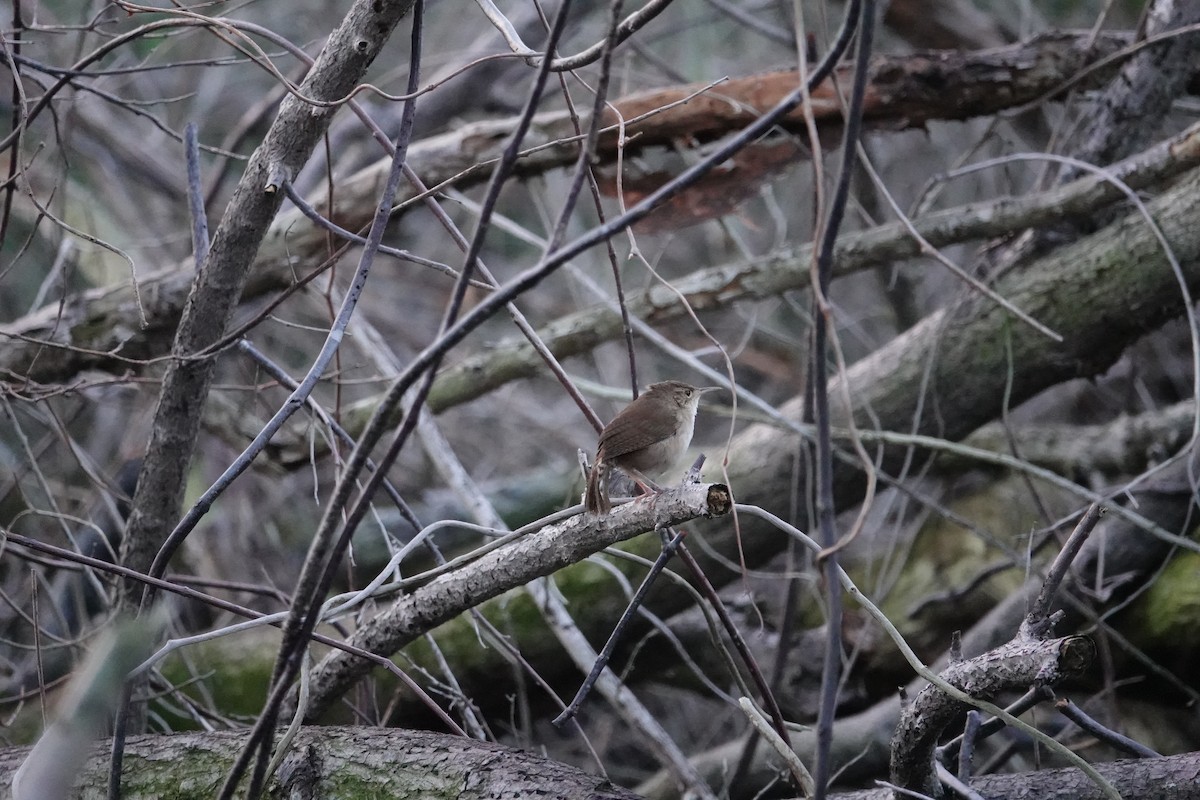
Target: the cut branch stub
pixel 1014 666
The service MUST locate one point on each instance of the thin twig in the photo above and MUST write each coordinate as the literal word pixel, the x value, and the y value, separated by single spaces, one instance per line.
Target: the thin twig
pixel 195 196
pixel 669 547
pixel 800 774
pixel 819 391
pixel 1035 621
pixel 1105 734
pixel 223 605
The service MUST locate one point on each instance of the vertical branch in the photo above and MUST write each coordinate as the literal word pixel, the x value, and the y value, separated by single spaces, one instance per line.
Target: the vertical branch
pixel 819 381
pixel 18 117
pixel 195 195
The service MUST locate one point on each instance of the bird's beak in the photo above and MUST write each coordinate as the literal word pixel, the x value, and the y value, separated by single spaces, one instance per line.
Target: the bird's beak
pixel 705 389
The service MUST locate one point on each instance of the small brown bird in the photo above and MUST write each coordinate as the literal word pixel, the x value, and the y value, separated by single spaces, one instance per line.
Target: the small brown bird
pixel 645 440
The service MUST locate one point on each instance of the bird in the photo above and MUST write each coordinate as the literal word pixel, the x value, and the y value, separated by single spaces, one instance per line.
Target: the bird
pixel 645 440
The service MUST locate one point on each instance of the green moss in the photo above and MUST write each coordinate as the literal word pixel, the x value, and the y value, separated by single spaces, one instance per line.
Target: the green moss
pixel 1166 617
pixel 946 555
pixel 235 686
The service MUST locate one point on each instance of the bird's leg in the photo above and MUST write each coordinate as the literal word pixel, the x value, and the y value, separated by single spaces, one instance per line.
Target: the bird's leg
pixel 644 483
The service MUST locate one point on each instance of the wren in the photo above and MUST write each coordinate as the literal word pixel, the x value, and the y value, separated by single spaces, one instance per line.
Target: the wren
pixel 645 440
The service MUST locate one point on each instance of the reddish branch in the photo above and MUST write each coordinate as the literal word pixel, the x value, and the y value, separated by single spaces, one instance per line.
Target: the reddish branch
pixel 88 330
pixel 904 91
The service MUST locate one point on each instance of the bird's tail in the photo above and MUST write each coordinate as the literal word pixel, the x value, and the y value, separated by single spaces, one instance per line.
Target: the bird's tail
pixel 596 500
